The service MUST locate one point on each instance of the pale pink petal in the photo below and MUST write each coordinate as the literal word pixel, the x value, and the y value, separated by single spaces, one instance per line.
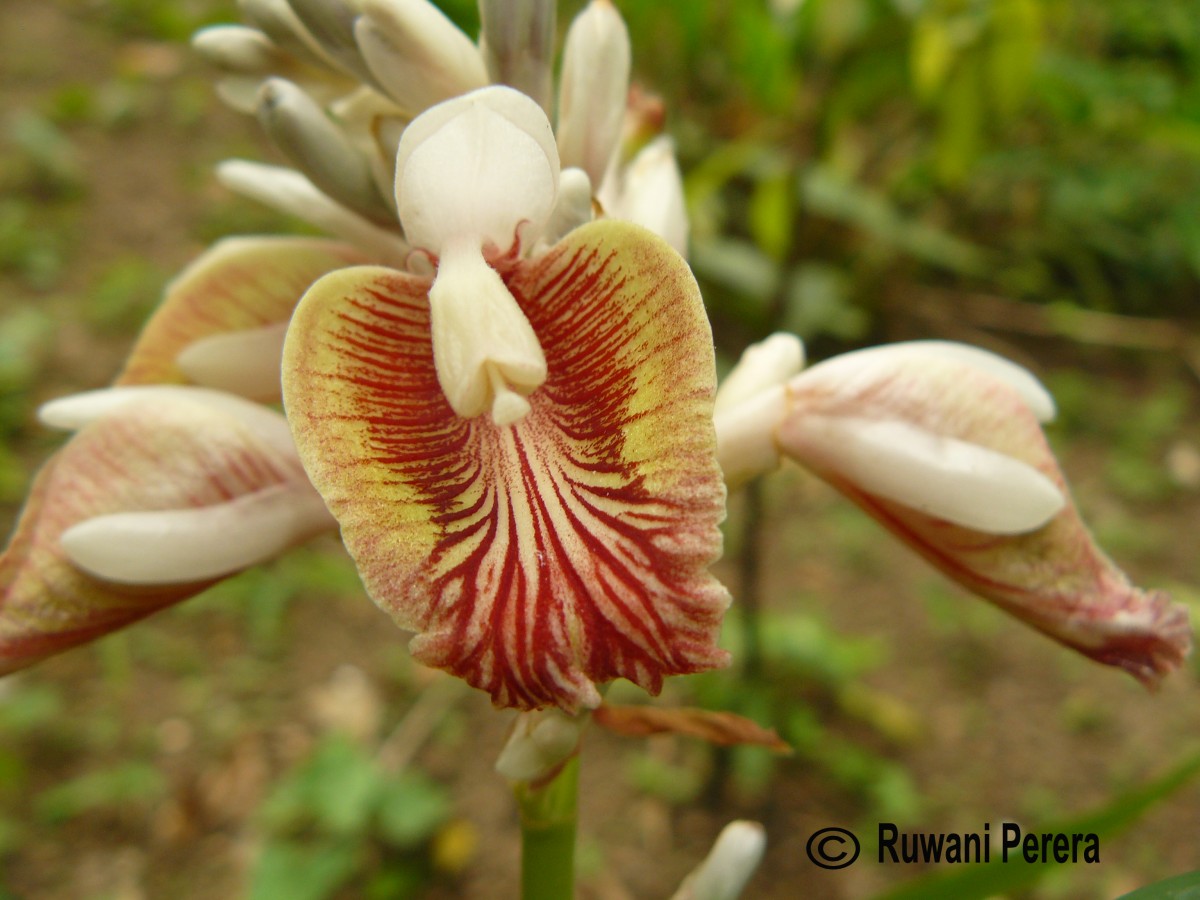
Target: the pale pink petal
pixel 157 455
pixel 1054 577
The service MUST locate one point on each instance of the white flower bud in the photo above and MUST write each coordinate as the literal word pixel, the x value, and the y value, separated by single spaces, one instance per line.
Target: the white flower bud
pixel 304 133
pixel 540 741
pixel 731 863
pixel 594 89
pixel 419 57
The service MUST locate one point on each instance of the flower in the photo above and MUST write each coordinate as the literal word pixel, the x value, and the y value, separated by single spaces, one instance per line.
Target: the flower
pixel 162 492
pixel 168 487
pixel 371 95
pixel 942 444
pixel 519 450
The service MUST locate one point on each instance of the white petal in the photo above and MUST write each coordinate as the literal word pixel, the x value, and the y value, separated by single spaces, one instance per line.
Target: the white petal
pixel 237 48
pixel 729 865
pixel 573 206
pixel 419 56
pixel 303 131
pixel 651 194
pixel 484 349
pixel 185 546
pixel 517 43
pixel 73 412
pixel 292 193
pixel 246 363
pixel 477 166
pixel 278 21
pixel 539 742
pixel 1032 392
pixel 594 88
pixel 943 477
pixel 239 92
pixel 746 435
pixel 768 363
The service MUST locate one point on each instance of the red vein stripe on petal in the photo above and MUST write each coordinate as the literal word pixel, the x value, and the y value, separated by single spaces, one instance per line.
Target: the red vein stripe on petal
pixel 1056 578
pixel 240 283
pixel 569 549
pixel 155 456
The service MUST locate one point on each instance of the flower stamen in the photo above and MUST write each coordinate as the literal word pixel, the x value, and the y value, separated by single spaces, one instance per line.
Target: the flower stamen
pixel 484 349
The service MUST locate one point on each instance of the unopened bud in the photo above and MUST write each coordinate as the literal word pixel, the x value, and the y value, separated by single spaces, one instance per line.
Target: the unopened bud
pixel 750 405
pixel 730 864
pixel 245 363
pixel 517 45
pixel 594 88
pixel 540 742
pixel 417 55
pixel 651 194
pixel 310 139
pixel 290 192
pixel 572 207
pixel 331 23
pixel 277 20
pixel 236 48
pixel 763 365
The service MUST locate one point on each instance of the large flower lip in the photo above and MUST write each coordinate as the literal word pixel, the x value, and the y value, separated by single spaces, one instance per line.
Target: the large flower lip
pixel 540 558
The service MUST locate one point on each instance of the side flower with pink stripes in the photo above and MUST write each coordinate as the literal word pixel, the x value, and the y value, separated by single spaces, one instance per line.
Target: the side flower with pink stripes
pixel 942 444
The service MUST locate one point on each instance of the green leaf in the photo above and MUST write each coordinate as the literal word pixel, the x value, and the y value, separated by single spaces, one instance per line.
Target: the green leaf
pixel 931 55
pixel 772 215
pixel 292 871
pixel 1012 52
pixel 411 808
pixel 26 337
pixel 121 786
pixel 828 194
pixel 673 782
pixel 737 265
pixel 818 303
pixel 960 122
pixel 11 835
pixel 336 789
pixel 51 156
pixel 29 707
pixel 1181 887
pixel 999 877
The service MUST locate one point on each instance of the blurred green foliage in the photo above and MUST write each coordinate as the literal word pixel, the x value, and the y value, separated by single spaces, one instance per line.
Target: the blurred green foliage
pixel 324 819
pixel 842 152
pixel 1001 877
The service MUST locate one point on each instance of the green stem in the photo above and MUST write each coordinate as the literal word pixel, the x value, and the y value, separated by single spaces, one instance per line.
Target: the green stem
pixel 548 814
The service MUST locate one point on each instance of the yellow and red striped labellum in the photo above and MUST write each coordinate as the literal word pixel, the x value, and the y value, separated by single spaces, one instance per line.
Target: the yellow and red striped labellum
pixel 156 455
pixel 239 284
pixel 540 558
